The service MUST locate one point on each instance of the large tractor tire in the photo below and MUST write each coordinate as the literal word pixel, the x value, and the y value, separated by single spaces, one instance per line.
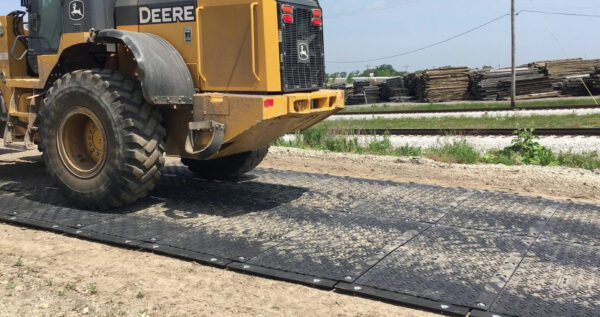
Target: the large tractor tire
pixel 228 167
pixel 103 144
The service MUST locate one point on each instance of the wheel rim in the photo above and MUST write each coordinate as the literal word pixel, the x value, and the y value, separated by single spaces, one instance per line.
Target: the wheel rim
pixel 81 141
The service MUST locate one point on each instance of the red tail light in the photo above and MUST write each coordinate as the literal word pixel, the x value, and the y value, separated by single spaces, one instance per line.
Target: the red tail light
pixel 269 103
pixel 317 22
pixel 317 13
pixel 287 9
pixel 288 18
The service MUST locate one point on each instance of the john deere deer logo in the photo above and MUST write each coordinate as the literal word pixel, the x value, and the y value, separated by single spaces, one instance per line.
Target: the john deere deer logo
pixel 76 11
pixel 303 52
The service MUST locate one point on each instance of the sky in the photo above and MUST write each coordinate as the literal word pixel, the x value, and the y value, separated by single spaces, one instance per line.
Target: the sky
pixel 358 30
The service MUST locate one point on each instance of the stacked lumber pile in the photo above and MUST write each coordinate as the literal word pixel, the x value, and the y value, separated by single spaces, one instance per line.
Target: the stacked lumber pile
pixel 595 81
pixel 582 85
pixel 558 70
pixel 411 81
pixel 348 89
pixel 443 84
pixel 496 84
pixel 393 90
pixel 364 93
pixel 576 85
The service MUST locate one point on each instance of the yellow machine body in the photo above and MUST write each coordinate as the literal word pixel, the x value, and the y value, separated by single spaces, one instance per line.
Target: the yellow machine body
pixel 232 52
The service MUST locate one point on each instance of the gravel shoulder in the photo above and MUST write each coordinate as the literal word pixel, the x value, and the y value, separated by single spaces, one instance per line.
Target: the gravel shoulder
pixel 549 182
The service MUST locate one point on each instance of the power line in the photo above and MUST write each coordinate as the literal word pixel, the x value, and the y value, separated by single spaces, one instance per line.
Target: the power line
pixel 424 47
pixel 560 13
pixel 465 33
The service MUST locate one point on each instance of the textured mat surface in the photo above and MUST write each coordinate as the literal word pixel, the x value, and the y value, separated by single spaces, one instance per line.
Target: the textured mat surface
pixel 450 250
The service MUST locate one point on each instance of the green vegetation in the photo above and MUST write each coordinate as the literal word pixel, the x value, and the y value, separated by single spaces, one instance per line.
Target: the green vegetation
pixel 384 70
pixel 524 150
pixel 19 262
pixel 319 138
pixel 70 286
pixel 485 122
pixel 470 105
pixel 92 289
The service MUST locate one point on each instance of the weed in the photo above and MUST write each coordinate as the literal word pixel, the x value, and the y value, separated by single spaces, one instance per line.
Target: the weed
pixel 589 161
pixel 140 295
pixel 455 152
pixel 407 150
pixel 10 285
pixel 70 286
pixel 93 289
pixel 61 293
pixel 524 149
pixel 19 262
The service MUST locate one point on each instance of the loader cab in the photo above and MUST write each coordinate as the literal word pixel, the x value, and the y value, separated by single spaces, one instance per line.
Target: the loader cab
pixel 45 28
pixel 49 19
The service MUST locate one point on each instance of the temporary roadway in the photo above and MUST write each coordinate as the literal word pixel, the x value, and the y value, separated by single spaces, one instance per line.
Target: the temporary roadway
pixel 449 250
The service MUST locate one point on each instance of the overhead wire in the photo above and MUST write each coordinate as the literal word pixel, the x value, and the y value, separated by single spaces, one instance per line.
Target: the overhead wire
pixel 424 47
pixel 462 34
pixel 559 13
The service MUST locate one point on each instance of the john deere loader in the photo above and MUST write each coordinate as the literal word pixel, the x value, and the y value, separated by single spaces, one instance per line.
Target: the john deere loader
pixel 105 89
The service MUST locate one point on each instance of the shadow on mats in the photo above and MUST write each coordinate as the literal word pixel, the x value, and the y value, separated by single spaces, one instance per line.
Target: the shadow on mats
pixel 448 250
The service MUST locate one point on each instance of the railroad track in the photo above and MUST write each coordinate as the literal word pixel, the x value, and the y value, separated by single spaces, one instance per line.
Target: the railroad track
pixel 469 132
pixel 581 107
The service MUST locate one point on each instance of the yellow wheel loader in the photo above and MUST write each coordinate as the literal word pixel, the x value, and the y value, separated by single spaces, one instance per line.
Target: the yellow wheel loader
pixel 105 89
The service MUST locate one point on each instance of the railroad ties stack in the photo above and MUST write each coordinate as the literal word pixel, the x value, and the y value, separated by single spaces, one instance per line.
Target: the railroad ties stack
pixel 443 84
pixel 558 70
pixel 595 81
pixel 393 90
pixel 572 77
pixel 496 84
pixel 364 93
pixel 348 89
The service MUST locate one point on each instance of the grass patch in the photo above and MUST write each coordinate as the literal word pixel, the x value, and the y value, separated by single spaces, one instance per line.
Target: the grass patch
pixel 70 286
pixel 485 122
pixel 524 150
pixel 92 289
pixel 455 152
pixel 319 138
pixel 470 105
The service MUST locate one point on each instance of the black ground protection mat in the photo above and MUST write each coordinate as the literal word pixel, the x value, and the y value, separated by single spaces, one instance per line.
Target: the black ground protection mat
pixel 449 250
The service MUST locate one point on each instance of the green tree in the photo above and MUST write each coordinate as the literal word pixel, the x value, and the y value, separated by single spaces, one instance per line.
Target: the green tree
pixel 385 70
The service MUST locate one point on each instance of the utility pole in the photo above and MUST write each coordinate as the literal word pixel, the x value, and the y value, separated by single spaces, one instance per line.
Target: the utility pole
pixel 513 92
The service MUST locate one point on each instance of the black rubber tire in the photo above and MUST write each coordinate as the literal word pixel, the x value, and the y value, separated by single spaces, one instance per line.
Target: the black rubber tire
pixel 228 167
pixel 135 137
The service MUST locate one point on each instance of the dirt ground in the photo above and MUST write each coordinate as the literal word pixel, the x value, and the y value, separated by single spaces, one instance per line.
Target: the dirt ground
pixel 46 274
pixel 550 182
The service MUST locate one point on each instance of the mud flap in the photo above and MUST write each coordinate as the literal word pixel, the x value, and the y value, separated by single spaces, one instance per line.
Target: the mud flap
pixel 164 75
pixel 212 147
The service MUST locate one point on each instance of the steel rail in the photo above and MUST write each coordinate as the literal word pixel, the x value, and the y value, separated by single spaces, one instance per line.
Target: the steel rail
pixel 454 110
pixel 468 132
